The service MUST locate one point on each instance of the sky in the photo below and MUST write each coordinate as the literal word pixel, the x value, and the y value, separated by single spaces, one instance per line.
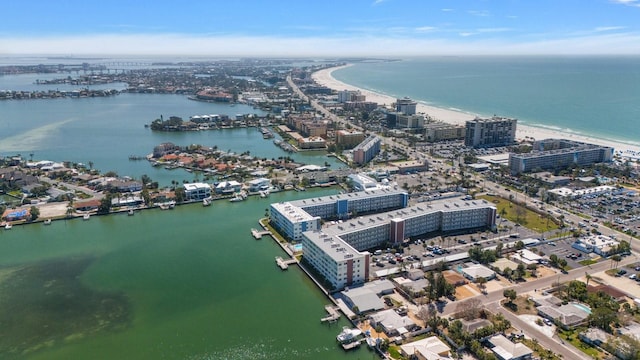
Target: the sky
pixel 290 28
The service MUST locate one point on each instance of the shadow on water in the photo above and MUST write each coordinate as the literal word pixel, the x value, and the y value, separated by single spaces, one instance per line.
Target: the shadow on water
pixel 45 304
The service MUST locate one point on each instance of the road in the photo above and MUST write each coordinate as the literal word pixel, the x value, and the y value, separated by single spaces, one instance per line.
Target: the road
pixel 492 302
pixel 314 103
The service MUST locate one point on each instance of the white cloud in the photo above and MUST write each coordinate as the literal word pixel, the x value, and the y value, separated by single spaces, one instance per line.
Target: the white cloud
pixel 634 3
pixel 479 12
pixel 493 30
pixel 378 2
pixel 447 10
pixel 425 29
pixel 608 28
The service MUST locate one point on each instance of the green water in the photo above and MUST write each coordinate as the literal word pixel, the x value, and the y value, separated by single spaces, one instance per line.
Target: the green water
pixel 196 284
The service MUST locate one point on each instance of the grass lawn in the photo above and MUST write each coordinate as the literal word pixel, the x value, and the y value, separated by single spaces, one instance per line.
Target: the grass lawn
pixel 519 214
pixel 587 262
pixel 394 352
pixel 520 306
pixel 572 337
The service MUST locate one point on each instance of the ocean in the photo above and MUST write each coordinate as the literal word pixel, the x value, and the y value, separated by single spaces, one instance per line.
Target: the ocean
pixel 593 96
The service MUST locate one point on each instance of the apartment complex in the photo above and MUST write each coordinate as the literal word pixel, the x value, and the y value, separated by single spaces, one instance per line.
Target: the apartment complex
pixel 441 131
pixel 496 131
pixel 349 138
pixel 367 150
pixel 295 217
pixel 366 232
pixel 558 154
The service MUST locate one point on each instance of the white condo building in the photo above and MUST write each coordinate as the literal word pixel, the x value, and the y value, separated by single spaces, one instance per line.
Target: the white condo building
pixel 366 232
pixel 295 217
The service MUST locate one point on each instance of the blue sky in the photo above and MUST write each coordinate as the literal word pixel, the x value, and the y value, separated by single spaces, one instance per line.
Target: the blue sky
pixel 321 28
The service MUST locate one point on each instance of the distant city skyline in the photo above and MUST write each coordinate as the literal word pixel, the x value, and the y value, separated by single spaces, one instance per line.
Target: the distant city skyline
pixel 328 28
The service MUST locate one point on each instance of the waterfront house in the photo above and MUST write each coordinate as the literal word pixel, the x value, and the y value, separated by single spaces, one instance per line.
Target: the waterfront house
pixel 16 214
pixel 125 185
pixel 366 298
pixel 89 205
pixel 258 184
pixel 197 191
pixel 228 187
pixel 391 322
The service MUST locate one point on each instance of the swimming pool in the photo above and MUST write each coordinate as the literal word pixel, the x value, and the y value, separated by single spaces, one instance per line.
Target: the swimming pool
pixel 582 307
pixel 297 247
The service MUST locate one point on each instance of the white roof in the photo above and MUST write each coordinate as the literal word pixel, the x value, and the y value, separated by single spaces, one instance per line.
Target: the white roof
pixel 431 348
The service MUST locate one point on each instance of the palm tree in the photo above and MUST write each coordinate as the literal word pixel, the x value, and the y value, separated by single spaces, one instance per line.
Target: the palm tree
pixel 588 277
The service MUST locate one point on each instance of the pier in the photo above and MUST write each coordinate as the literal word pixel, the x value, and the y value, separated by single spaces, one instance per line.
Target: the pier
pixel 258 234
pixel 333 312
pixel 284 264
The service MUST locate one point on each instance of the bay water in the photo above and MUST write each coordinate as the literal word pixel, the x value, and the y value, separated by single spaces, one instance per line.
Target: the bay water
pixel 189 283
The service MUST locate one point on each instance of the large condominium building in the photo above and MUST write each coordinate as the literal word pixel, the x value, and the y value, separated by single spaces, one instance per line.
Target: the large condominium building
pixel 197 191
pixel 441 131
pixel 350 95
pixel 406 106
pixel 367 150
pixel 367 232
pixel 295 217
pixel 349 138
pixel 497 131
pixel 558 154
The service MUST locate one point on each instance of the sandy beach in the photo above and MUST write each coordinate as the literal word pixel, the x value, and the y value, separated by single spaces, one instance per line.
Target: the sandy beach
pixel 324 77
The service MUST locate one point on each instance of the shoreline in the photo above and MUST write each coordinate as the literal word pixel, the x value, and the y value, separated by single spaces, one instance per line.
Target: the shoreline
pixel 458 117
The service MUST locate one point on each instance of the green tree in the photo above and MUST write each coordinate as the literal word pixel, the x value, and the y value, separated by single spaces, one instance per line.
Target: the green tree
pixel 510 294
pixel 105 204
pixel 34 213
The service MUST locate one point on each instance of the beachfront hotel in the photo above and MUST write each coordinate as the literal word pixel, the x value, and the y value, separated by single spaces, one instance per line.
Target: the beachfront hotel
pixel 367 150
pixel 323 247
pixel 558 154
pixel 496 131
pixel 295 217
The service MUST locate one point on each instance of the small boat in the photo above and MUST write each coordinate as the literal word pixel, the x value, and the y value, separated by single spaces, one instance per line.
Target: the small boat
pixel 206 201
pixel 264 193
pixel 237 198
pixel 371 342
pixel 8 227
pixel 348 335
pixel 167 205
pixel 130 212
pixel 47 222
pixel 86 216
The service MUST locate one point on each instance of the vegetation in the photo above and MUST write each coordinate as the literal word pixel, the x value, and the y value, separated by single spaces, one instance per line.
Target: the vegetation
pixel 521 215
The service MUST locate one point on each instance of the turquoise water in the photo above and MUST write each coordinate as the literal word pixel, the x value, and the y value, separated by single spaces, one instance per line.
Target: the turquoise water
pixel 582 307
pixel 107 130
pixel 595 96
pixel 190 283
pixel 199 286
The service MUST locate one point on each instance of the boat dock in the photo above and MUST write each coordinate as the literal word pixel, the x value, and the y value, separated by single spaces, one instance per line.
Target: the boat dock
pixel 333 312
pixel 284 264
pixel 258 234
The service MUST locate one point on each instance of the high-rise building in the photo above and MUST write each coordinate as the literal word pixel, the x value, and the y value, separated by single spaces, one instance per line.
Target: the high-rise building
pixel 496 131
pixel 406 106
